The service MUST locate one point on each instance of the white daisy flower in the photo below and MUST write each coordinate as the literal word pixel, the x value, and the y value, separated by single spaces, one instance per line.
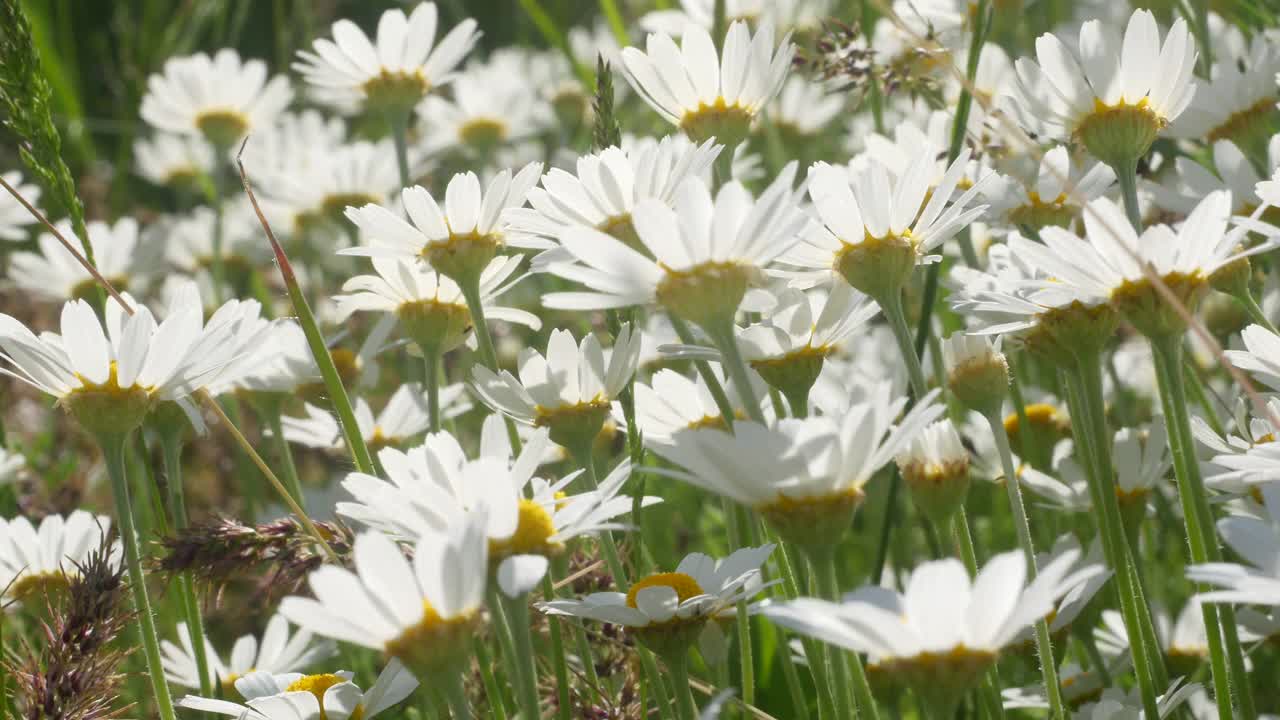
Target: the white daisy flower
pixel 422 613
pixel 294 144
pixel 392 75
pixel 796 14
pixel 1119 704
pixel 1109 262
pixel 1118 96
pixel 1141 460
pixel 404 416
pixel 14 218
pixel 1055 195
pixel 671 402
pixel 277 652
pixel 120 254
pixel 705 253
pixel 1180 191
pixel 219 97
pixel 1073 602
pixel 293 696
pixel 935 467
pixel 189 239
pixel 280 363
pixel 1077 686
pixel 429 306
pixel 805 476
pixel 607 188
pixel 667 610
pixel 38 562
pixel 1257 541
pixel 110 379
pixel 945 630
pixel 1238 101
pixel 804 108
pixel 1184 639
pixel 356 173
pixel 168 159
pixel 568 390
pixel 874 231
pixel 704 93
pixel 458 241
pixel 493 104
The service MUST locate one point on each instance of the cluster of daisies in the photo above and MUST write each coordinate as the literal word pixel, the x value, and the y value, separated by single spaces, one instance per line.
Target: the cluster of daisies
pixel 939 354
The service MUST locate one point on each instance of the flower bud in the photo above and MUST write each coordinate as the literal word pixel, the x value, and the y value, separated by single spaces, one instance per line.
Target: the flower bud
pixel 977 371
pixel 936 470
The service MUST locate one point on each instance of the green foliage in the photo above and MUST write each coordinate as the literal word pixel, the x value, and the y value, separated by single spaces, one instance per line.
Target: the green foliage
pixel 606 132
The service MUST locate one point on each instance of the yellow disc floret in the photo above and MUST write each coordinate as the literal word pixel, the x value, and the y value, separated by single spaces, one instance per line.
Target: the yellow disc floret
pixel 684 585
pixel 318 685
pixel 434 643
pixel 533 534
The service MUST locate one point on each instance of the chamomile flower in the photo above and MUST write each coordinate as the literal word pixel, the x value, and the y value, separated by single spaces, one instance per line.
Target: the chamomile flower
pixel 178 160
pixel 189 240
pixel 1238 103
pixel 394 72
pixel 945 630
pixel 806 477
pixel 294 696
pixel 704 94
pixel 804 108
pixel 935 468
pixel 422 614
pixel 874 231
pixel 701 255
pixel 569 391
pixel 1118 96
pixel 280 363
pixel 671 402
pixel 38 562
pixel 1180 191
pixel 666 611
pixel 14 218
pixel 459 241
pixel 221 98
pixel 1142 462
pixel 1257 541
pixel 1119 704
pixel 1087 586
pixel 492 105
pixel 607 188
pixel 278 651
pixel 120 253
pixel 1184 638
pixel 110 379
pixel 350 174
pixel 404 416
pixel 430 307
pixel 1056 195
pixel 796 14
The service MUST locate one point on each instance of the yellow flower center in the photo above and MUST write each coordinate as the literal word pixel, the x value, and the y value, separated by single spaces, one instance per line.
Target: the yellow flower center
pixel 319 684
pixel 433 643
pixel 483 133
pixel 1039 416
pixel 812 519
pixel 30 586
pixel 532 536
pixel 395 91
pixel 334 205
pixel 222 127
pixel 727 123
pixel 684 585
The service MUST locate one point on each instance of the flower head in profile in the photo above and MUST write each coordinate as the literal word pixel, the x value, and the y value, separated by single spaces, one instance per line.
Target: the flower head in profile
pixel 396 70
pixel 493 105
pixel 273 695
pixel 671 402
pixel 1238 102
pixel 279 651
pixel 459 241
pixel 704 93
pixel 1118 96
pixel 111 377
pixel 699 256
pixel 935 468
pixel 14 218
pixel 430 307
pixel 666 611
pixel 404 416
pixel 1256 540
pixel 874 231
pixel 176 160
pixel 221 98
pixel 944 630
pixel 42 561
pixel 570 390
pixel 120 254
pixel 421 612
pixel 1055 195
pixel 336 177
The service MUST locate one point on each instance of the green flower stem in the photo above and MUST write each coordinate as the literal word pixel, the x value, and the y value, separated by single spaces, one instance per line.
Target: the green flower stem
pixel 891 304
pixel 399 122
pixel 1254 311
pixel 678 666
pixel 842 665
pixel 1195 386
pixel 275 421
pixel 1203 542
pixel 497 705
pixel 517 610
pixel 315 340
pixel 171 453
pixel 731 360
pixel 456 695
pixel 488 355
pixel 989 692
pixel 432 358
pixel 1128 177
pixel 1111 532
pixel 708 375
pixel 113 448
pixel 609 8
pixel 217 265
pixel 1044 644
pixel 560 568
pixel 511 664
